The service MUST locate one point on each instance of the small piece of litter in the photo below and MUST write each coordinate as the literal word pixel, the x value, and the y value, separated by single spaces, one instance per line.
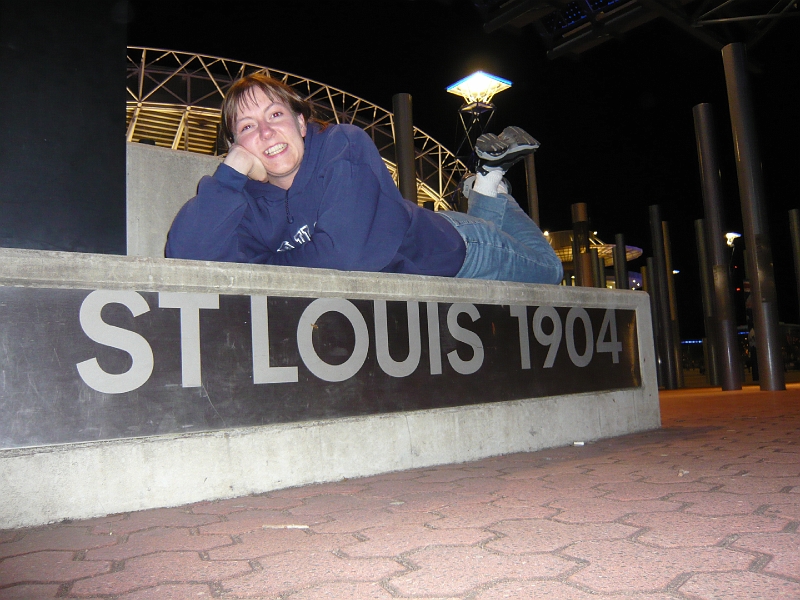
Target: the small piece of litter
pixel 681 473
pixel 397 503
pixel 284 527
pixel 577 443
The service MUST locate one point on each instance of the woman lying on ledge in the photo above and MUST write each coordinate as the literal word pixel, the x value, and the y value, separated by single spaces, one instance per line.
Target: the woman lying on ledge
pixel 294 191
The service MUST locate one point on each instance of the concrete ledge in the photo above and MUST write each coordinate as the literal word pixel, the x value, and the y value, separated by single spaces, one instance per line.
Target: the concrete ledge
pixel 79 480
pixel 35 268
pixel 159 181
pixel 87 480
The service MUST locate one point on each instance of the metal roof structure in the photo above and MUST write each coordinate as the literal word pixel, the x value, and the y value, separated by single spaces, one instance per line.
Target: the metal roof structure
pixel 570 27
pixel 174 101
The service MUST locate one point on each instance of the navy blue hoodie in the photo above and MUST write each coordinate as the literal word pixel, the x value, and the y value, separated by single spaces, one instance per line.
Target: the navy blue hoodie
pixel 343 211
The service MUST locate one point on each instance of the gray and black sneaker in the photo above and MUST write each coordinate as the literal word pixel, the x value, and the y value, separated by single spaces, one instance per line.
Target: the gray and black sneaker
pixel 502 151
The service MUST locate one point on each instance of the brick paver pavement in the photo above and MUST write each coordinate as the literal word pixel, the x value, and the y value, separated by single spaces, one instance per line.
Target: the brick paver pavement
pixel 708 507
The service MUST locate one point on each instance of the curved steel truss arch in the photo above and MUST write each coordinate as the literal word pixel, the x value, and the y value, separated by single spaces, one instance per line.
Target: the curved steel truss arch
pixel 174 101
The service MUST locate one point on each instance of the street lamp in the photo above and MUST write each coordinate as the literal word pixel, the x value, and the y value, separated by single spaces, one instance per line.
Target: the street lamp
pixel 479 87
pixel 477 90
pixel 730 236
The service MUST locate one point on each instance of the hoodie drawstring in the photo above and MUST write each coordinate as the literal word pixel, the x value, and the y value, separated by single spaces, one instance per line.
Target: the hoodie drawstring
pixel 289 217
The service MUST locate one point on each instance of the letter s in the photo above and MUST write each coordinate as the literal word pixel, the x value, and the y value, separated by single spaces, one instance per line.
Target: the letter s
pixel 464 367
pixel 115 337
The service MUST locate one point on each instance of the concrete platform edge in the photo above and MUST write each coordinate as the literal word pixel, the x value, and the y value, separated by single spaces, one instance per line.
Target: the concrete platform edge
pixel 73 481
pixel 76 481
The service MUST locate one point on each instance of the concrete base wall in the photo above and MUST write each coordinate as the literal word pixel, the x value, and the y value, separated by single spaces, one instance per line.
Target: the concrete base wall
pixel 46 484
pixel 159 182
pixel 76 481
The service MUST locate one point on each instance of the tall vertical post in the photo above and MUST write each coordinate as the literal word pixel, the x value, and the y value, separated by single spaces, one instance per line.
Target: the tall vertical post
pixel 650 288
pixel 598 273
pixel 709 345
pixel 726 346
pixel 794 227
pixel 675 329
pixel 404 146
pixel 756 230
pixel 601 271
pixel 659 276
pixel 63 178
pixel 533 190
pixel 620 263
pixel 581 258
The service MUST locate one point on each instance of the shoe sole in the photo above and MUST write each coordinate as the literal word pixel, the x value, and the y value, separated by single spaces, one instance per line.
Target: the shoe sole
pixel 490 146
pixel 513 140
pixel 516 135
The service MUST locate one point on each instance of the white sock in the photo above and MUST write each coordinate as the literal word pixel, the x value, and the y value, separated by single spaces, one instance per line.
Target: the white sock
pixel 488 184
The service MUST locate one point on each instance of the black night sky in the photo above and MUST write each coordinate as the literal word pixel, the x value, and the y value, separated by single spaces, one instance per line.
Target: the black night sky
pixel 615 124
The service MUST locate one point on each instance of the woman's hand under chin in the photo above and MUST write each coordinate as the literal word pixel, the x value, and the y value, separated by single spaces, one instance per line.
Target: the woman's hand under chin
pixel 246 163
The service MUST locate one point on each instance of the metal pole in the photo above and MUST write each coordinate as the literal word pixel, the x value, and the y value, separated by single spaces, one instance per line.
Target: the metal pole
pixel 404 146
pixel 665 345
pixel 650 287
pixel 727 354
pixel 709 346
pixel 601 270
pixel 673 305
pixel 794 226
pixel 756 230
pixel 581 259
pixel 597 273
pixel 533 190
pixel 620 263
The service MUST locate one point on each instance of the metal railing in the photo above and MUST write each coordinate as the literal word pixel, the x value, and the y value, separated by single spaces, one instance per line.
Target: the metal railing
pixel 174 101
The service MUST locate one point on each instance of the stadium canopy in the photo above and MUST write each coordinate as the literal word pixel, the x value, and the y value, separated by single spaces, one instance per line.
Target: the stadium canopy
pixel 570 27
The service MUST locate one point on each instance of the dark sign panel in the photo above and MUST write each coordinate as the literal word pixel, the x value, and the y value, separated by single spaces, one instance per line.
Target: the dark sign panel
pixel 79 365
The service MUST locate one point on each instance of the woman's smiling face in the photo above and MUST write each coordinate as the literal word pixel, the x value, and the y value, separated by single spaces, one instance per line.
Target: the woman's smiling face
pixel 270 131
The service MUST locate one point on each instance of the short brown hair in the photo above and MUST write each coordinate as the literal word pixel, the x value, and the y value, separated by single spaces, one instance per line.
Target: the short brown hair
pixel 241 92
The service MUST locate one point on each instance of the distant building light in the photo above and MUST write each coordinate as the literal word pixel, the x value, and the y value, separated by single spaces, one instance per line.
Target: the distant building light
pixel 675 271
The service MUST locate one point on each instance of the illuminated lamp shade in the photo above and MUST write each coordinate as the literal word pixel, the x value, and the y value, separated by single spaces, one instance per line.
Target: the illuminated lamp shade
pixel 732 236
pixel 479 87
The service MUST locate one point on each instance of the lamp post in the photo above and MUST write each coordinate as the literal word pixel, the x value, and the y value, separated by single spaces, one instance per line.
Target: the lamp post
pixel 477 90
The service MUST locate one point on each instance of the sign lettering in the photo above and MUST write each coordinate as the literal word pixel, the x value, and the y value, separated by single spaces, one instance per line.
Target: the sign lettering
pixel 107 363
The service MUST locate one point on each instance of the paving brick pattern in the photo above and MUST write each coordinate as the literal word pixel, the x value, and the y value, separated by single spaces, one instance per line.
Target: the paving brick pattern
pixel 707 507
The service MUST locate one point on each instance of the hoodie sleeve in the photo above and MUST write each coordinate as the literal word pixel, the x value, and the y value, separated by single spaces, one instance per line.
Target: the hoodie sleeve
pixel 206 226
pixel 362 218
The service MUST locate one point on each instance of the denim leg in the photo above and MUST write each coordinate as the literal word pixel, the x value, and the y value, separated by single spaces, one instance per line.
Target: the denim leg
pixel 521 227
pixel 504 212
pixel 494 254
pixel 488 208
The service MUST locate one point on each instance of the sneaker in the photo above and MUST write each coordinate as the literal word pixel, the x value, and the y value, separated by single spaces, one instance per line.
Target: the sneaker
pixel 502 151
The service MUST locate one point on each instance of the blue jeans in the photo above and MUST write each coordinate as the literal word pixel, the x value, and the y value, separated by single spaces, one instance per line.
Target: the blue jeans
pixel 503 243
